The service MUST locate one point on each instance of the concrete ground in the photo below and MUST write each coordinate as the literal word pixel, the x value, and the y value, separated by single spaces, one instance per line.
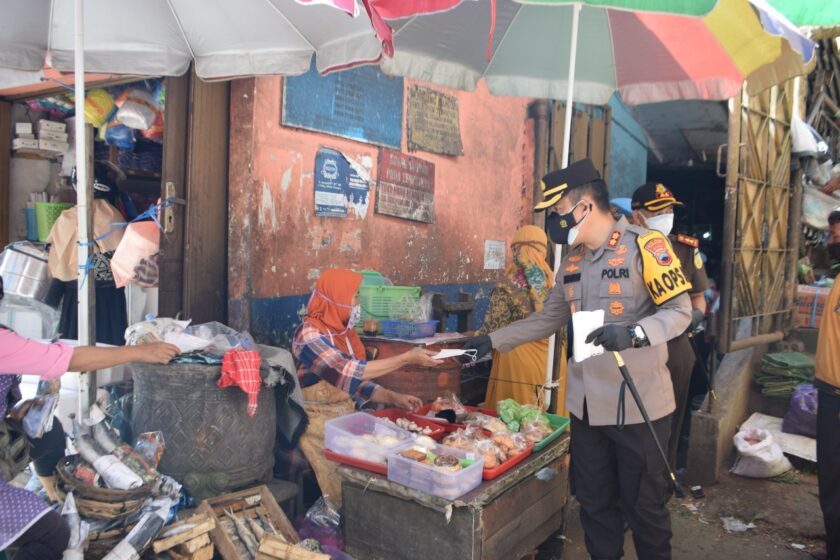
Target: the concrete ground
pixel 785 514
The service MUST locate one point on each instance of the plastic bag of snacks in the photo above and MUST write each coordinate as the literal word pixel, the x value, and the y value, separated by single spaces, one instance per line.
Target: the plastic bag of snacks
pixel 141 241
pixel 98 107
pixel 138 110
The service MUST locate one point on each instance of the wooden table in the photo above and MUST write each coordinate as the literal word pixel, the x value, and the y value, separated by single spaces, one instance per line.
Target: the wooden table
pixel 425 383
pixel 503 519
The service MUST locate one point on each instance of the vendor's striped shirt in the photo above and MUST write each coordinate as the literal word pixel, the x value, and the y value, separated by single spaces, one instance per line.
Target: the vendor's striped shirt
pixel 317 359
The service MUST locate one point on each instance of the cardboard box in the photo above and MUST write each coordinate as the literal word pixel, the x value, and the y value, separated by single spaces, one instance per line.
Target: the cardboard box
pixel 23 128
pixel 809 306
pixel 24 144
pixel 51 146
pixel 51 126
pixel 53 136
pixel 25 136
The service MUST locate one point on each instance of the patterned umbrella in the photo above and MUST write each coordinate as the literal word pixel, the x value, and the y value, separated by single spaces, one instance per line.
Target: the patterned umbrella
pixel 647 51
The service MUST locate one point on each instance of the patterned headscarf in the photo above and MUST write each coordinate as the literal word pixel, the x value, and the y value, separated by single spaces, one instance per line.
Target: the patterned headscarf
pixel 530 270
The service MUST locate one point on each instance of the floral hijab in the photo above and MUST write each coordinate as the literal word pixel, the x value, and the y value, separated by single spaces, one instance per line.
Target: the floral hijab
pixel 529 277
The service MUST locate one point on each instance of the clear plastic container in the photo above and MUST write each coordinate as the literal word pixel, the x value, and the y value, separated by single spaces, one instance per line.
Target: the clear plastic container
pixel 362 436
pixel 433 480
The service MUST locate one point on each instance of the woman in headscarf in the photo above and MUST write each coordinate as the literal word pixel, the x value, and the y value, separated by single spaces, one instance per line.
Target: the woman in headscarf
pixel 333 369
pixel 520 374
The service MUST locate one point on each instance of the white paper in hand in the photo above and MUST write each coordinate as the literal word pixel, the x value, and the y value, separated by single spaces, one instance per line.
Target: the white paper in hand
pixel 454 353
pixel 584 322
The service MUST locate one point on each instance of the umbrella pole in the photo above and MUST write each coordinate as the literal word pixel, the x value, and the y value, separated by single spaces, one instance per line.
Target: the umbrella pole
pixel 567 138
pixel 84 202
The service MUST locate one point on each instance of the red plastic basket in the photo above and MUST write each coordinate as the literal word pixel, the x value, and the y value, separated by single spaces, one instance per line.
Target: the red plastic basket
pixel 392 414
pixel 358 463
pixel 421 412
pixel 490 474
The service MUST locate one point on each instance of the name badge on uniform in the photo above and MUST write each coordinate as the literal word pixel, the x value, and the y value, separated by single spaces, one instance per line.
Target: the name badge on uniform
pixel 662 272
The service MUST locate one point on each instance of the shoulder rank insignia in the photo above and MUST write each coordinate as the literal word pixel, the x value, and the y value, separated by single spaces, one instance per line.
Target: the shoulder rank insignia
pixel 615 237
pixel 662 271
pixel 692 242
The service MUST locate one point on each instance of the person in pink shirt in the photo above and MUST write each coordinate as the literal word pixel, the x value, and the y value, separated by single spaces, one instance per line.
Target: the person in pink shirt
pixel 31 525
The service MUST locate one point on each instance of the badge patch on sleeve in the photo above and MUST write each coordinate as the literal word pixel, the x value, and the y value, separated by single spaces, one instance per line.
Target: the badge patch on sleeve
pixel 662 272
pixel 698 260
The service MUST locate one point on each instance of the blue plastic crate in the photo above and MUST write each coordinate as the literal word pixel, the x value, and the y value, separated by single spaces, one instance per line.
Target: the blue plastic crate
pixel 405 329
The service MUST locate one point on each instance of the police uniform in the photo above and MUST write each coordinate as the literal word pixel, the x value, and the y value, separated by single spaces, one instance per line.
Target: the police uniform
pixel 681 357
pixel 616 471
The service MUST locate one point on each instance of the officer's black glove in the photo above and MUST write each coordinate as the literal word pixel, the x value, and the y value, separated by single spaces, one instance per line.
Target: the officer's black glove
pixel 614 338
pixel 481 344
pixel 697 318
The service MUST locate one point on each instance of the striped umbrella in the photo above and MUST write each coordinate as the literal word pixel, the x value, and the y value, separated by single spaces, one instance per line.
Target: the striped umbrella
pixel 646 50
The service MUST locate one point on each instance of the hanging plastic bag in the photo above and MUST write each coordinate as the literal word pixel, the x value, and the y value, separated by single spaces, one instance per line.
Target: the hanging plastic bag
pixel 155 132
pixel 140 241
pixel 99 104
pixel 801 417
pixel 759 456
pixel 119 135
pixel 139 109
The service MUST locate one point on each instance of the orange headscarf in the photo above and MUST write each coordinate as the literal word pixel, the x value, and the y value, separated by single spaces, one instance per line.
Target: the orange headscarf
pixel 530 249
pixel 330 306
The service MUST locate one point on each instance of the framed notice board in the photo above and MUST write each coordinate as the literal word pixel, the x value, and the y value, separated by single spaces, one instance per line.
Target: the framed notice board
pixel 361 103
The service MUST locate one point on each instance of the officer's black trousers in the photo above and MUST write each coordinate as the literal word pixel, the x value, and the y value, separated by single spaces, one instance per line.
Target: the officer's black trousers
pixel 618 474
pixel 828 468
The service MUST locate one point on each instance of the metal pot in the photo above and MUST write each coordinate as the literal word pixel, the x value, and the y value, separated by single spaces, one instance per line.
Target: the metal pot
pixel 25 271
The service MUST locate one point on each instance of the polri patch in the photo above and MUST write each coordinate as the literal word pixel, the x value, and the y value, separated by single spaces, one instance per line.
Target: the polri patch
pixel 615 273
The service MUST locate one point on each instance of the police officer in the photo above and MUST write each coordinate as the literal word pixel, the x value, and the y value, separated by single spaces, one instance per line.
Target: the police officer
pixel 632 274
pixel 653 208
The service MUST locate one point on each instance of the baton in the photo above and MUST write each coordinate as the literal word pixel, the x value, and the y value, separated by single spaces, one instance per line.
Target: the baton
pixel 703 368
pixel 678 491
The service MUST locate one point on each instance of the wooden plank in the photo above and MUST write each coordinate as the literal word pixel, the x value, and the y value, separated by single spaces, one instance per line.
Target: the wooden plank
pixel 597 143
pixel 275 547
pixel 205 553
pixel 580 137
pixel 171 259
pixel 203 524
pixel 193 545
pixel 5 170
pixel 205 247
pixel 378 526
pixel 525 516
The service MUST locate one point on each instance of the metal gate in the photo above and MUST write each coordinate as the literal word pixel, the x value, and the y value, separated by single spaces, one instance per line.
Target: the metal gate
pixel 761 221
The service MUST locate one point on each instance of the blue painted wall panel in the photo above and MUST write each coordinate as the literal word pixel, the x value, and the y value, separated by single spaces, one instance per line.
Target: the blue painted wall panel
pixel 362 103
pixel 628 151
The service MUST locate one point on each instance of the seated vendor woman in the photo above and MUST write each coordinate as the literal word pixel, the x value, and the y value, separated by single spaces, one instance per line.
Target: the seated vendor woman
pixel 333 369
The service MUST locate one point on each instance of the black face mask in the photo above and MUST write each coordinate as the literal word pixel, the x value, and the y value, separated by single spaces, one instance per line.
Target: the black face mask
pixel 834 251
pixel 559 226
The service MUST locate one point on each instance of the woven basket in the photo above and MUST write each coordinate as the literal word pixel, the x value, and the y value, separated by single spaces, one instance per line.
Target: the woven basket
pixel 98 503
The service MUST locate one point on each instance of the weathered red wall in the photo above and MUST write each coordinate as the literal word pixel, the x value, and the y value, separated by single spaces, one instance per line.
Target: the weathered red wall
pixel 277 245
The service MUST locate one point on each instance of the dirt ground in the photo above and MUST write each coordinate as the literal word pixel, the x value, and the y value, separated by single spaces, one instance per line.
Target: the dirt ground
pixel 785 514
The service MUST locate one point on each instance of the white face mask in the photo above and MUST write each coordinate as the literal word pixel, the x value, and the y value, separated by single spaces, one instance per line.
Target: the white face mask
pixel 573 232
pixel 663 223
pixel 355 316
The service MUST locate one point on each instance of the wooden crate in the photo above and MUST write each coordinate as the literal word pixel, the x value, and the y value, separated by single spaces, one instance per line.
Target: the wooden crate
pixel 502 519
pixel 246 502
pixel 188 539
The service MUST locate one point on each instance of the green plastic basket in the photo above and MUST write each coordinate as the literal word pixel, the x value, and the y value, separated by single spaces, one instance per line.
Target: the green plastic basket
pixel 384 303
pixel 559 423
pixel 46 213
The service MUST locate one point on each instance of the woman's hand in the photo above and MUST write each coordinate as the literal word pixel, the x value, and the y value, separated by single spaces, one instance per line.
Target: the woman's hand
pixel 406 402
pixel 157 352
pixel 422 357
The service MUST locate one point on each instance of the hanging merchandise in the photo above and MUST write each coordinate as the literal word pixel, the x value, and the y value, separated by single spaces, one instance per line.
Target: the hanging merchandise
pixel 155 132
pixel 140 241
pixel 138 109
pixel 116 134
pixel 99 105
